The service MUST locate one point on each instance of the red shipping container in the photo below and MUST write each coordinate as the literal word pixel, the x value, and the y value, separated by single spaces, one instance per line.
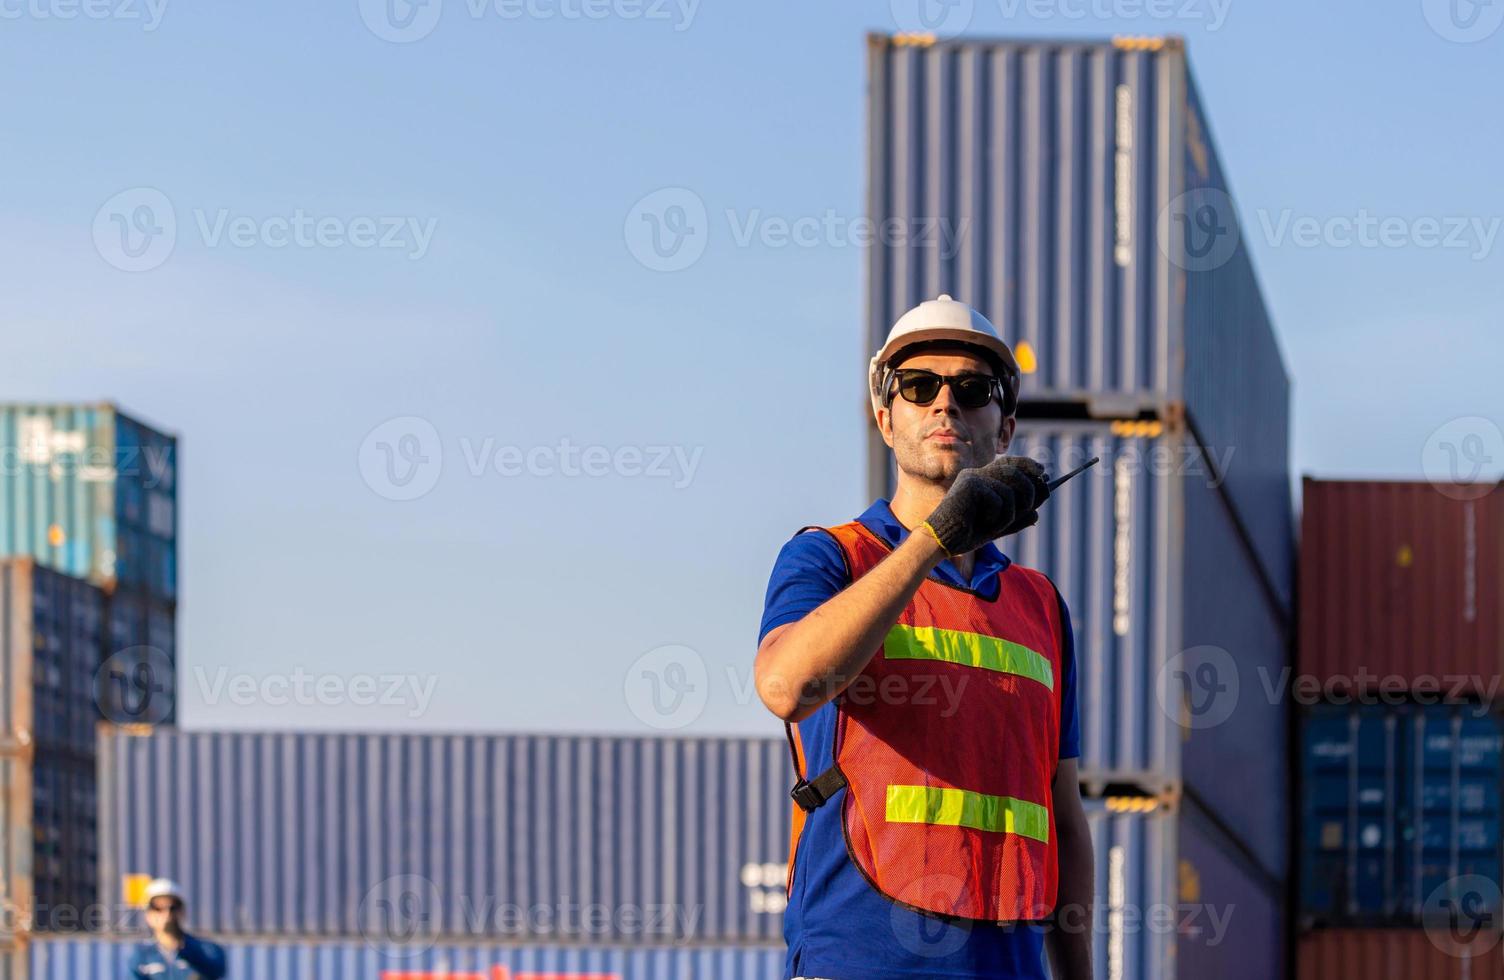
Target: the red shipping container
pixel 1397 954
pixel 1402 581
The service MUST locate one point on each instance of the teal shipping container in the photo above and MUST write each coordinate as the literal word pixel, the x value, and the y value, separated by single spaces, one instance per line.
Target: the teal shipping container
pixel 91 492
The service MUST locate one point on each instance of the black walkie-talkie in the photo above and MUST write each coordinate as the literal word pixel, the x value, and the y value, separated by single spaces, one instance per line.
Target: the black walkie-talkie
pixel 1055 484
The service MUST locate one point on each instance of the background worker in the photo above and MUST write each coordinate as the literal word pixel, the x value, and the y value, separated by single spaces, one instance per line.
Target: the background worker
pixel 171 953
pixel 928 686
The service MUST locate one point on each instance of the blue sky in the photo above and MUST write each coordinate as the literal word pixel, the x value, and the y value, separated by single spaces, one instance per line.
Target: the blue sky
pixel 500 156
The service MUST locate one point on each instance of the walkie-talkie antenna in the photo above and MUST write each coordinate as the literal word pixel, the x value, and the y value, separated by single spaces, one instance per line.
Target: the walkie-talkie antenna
pixel 1055 484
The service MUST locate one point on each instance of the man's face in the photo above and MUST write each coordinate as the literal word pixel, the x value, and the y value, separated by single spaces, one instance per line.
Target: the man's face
pixel 164 911
pixel 934 442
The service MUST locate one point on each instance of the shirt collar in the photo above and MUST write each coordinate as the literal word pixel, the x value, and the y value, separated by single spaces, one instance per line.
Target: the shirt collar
pixel 990 560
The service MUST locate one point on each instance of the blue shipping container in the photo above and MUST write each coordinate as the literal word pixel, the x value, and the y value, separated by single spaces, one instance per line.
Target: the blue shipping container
pixel 138 682
pixel 1105 541
pixel 58 958
pixel 90 492
pixel 65 853
pixel 312 834
pixel 1449 817
pixel 51 638
pixel 1177 638
pixel 1058 187
pixel 1398 804
pixel 1349 803
pixel 51 643
pixel 1134 889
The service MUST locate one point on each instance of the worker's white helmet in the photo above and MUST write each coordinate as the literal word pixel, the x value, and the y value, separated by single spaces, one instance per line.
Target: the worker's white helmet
pixel 944 319
pixel 165 888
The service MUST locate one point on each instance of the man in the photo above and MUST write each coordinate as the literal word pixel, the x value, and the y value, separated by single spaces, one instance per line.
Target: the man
pixel 173 954
pixel 938 827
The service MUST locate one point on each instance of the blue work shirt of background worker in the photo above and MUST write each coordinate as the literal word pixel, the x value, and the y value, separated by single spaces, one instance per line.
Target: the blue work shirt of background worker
pixel 838 926
pixel 195 959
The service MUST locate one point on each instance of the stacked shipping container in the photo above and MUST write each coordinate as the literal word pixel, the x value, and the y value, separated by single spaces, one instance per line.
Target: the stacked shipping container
pixel 88 524
pixel 51 635
pixel 1402 762
pixel 90 492
pixel 1072 179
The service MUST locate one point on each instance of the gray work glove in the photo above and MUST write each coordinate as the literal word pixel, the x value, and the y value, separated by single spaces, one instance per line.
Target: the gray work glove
pixel 988 502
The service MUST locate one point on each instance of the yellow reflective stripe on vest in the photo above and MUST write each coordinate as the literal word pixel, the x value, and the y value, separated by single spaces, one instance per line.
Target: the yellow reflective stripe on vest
pixel 946 807
pixel 969 650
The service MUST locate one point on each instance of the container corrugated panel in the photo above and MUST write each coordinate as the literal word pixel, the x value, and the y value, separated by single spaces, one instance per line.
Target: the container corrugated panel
pixel 1029 179
pixel 140 682
pixel 65 862
pixel 1403 580
pixel 1231 922
pixel 315 834
pixel 1350 801
pixel 90 492
pixel 1449 818
pixel 57 958
pixel 1397 954
pixel 51 642
pixel 1105 542
pixel 51 629
pixel 1235 650
pixel 1135 884
pixel 1012 148
pixel 1401 805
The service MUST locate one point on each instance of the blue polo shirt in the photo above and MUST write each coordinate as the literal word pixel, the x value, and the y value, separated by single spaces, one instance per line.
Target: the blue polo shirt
pixel 837 926
pixel 196 959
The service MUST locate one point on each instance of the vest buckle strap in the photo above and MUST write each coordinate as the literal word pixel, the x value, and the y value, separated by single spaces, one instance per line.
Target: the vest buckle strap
pixel 811 795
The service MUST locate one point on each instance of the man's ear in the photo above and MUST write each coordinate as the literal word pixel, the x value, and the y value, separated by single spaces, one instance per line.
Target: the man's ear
pixel 884 420
pixel 1005 434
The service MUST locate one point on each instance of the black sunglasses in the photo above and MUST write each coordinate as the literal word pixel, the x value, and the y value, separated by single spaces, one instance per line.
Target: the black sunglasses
pixel 169 907
pixel 920 387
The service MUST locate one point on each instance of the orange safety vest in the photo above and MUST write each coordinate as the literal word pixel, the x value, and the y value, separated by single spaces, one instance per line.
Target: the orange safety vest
pixel 947 744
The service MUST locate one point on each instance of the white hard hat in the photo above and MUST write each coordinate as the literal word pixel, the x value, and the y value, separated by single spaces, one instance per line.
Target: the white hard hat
pixel 943 319
pixel 164 888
